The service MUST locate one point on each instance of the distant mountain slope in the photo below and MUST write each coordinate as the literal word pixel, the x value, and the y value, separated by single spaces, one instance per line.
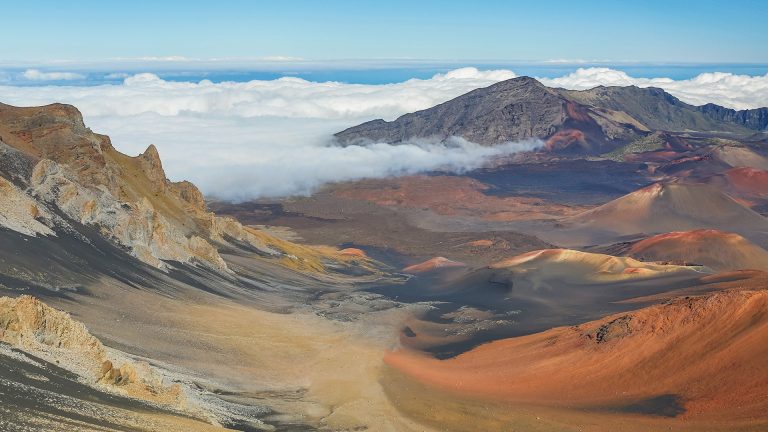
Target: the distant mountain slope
pixel 654 108
pixel 591 121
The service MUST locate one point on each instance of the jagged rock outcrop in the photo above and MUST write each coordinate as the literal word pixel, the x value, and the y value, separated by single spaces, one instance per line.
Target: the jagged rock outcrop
pixel 56 173
pixel 19 212
pixel 135 225
pixel 29 324
pixel 191 195
pixel 34 327
pixel 152 166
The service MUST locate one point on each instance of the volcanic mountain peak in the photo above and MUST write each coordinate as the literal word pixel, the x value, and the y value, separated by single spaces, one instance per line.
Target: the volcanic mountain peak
pixel 433 264
pixel 737 156
pixel 665 207
pixel 583 266
pixel 593 121
pixel 509 110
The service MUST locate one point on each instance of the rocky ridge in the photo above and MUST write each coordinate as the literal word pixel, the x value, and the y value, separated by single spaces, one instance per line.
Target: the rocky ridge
pixel 59 175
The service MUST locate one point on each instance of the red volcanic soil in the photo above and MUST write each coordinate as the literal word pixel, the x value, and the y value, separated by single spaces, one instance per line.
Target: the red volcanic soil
pixel 577 112
pixel 451 196
pixel 748 180
pixel 685 166
pixel 433 264
pixel 353 252
pixel 749 185
pixel 708 353
pixel 564 139
pixel 715 249
pixel 654 156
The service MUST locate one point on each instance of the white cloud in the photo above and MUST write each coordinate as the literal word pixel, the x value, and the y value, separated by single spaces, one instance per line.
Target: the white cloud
pixel 281 59
pixel 117 75
pixel 268 138
pixel 727 89
pixel 285 97
pixel 565 61
pixel 38 75
pixel 287 170
pixel 155 59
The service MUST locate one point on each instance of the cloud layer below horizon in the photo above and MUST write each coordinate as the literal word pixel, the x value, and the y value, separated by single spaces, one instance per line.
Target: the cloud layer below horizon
pixel 243 140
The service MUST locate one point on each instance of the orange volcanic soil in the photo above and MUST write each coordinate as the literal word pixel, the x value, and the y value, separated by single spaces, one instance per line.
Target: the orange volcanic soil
pixel 433 264
pixel 451 196
pixel 573 266
pixel 709 352
pixel 661 208
pixel 715 249
pixel 353 252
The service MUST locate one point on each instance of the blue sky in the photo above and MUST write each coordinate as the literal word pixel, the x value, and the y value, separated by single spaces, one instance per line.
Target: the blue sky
pixel 679 31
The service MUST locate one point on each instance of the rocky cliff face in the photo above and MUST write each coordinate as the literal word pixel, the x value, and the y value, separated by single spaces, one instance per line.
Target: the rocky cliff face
pixel 55 175
pixel 756 119
pixel 590 121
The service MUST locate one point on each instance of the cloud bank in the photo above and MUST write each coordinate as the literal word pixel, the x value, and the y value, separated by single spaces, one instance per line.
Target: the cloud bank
pixel 726 89
pixel 37 75
pixel 243 140
pixel 290 171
